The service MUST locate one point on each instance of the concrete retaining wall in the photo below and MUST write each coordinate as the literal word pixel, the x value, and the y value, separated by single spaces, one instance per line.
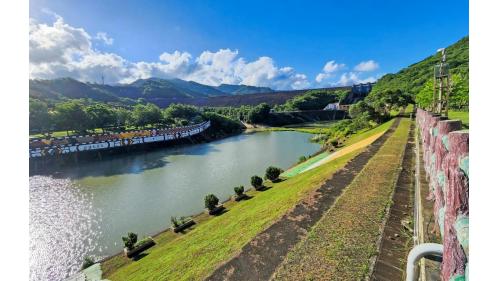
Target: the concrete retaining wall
pixel 446 161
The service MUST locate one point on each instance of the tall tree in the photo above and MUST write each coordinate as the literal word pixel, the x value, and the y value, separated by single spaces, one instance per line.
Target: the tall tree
pixel 71 115
pixel 100 115
pixel 40 119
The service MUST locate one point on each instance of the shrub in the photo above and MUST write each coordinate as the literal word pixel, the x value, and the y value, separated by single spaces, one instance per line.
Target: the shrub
pixel 239 190
pixel 175 221
pixel 256 181
pixel 130 240
pixel 179 221
pixel 211 201
pixel 273 173
pixel 87 262
pixel 302 159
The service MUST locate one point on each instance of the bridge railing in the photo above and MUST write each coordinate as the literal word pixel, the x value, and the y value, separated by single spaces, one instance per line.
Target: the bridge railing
pixel 58 146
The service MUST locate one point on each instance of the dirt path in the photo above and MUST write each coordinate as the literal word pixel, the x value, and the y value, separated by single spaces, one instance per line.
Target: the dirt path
pixel 396 238
pixel 260 257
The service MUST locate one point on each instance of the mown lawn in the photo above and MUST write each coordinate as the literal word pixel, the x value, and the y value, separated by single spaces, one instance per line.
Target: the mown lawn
pixel 342 244
pixel 461 115
pixel 197 253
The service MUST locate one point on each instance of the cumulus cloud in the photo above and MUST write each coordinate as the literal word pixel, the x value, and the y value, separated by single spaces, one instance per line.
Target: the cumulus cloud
pixel 328 71
pixel 332 66
pixel 104 37
pixel 350 78
pixel 366 66
pixel 61 50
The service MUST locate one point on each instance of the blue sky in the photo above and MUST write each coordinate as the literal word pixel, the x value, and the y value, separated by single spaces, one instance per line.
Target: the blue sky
pixel 298 37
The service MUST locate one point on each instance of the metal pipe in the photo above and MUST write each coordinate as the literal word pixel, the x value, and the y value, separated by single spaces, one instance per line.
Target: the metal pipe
pixel 416 254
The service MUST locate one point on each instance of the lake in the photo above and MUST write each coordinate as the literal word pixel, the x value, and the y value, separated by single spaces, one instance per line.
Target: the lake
pixel 85 210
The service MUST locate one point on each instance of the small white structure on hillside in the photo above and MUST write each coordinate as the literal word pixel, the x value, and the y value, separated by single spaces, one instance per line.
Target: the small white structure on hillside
pixel 332 106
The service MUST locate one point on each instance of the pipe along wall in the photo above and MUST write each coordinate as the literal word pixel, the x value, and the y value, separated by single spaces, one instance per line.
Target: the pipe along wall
pixel 446 161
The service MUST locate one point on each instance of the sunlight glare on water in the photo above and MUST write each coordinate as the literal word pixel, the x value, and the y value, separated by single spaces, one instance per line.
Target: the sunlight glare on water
pixel 63 228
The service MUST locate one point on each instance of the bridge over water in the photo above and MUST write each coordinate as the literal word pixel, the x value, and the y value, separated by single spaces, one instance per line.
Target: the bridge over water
pixel 39 148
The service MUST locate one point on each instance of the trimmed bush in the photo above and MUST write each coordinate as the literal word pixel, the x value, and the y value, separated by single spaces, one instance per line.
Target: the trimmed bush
pixel 302 159
pixel 273 173
pixel 87 262
pixel 239 190
pixel 211 201
pixel 256 181
pixel 175 222
pixel 130 240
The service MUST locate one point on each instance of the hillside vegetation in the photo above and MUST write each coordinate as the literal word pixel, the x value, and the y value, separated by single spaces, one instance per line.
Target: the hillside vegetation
pixel 148 89
pixel 412 78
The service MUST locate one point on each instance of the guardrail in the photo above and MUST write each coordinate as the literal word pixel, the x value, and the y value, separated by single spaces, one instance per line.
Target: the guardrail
pixel 59 146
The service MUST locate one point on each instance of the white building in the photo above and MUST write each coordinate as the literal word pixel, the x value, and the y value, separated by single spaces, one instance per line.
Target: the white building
pixel 332 106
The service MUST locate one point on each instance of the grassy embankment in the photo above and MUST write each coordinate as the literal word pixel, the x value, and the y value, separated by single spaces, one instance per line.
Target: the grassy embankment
pixel 461 115
pixel 354 139
pixel 197 253
pixel 343 242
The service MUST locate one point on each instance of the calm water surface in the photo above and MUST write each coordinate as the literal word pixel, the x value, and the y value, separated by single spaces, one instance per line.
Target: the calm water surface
pixel 86 210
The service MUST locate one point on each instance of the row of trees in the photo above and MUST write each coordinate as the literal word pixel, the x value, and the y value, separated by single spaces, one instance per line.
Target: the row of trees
pixel 313 100
pixel 82 116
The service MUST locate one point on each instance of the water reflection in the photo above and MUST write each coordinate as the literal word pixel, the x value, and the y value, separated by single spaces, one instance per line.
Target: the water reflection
pixel 64 227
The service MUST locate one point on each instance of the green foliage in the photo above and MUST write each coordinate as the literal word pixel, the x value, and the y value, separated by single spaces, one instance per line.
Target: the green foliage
pixel 148 114
pixel 425 95
pixel 259 113
pixel 39 119
pixel 459 97
pixel 87 262
pixel 273 173
pixel 313 100
pixel 302 159
pixel 211 201
pixel 176 222
pixel 413 78
pixel 239 190
pixel 130 240
pixel 221 124
pixel 256 181
pixel 71 115
pixel 123 117
pixel 100 116
pixel 181 113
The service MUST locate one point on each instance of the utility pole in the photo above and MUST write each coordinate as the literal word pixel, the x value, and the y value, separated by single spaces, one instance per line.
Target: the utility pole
pixel 441 86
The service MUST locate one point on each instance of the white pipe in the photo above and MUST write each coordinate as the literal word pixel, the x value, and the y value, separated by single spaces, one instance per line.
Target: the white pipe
pixel 416 254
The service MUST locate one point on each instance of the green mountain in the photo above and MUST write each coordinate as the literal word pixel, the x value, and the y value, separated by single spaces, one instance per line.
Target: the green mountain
pixel 412 78
pixel 148 89
pixel 242 89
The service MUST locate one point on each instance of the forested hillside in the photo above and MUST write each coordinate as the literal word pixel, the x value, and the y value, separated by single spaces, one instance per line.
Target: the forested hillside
pixel 413 78
pixel 148 89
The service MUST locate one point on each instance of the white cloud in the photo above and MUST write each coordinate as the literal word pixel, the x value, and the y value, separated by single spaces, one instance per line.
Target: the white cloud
pixel 331 66
pixel 366 66
pixel 104 37
pixel 328 71
pixel 60 50
pixel 350 78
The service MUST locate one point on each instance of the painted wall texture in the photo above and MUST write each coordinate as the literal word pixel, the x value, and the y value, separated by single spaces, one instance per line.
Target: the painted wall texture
pixel 446 161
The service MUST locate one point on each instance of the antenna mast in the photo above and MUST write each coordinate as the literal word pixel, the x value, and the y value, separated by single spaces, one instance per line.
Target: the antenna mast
pixel 441 86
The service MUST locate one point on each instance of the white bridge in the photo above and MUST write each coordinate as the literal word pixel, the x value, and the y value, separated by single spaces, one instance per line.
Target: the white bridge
pixel 58 146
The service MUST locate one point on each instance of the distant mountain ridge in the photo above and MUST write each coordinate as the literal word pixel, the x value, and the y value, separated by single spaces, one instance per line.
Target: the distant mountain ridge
pixel 151 88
